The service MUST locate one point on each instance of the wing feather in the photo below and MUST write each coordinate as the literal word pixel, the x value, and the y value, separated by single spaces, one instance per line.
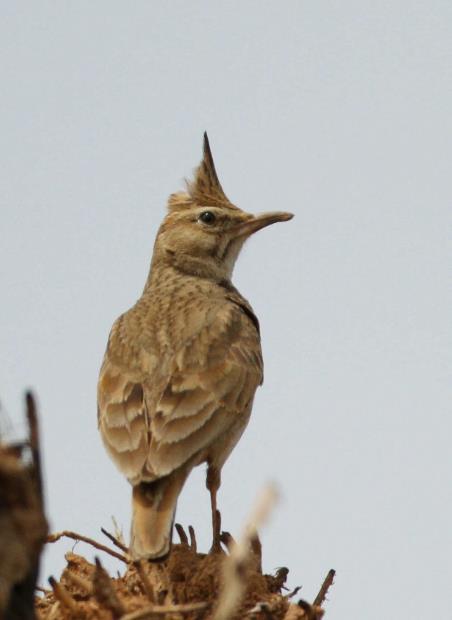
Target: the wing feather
pixel 157 413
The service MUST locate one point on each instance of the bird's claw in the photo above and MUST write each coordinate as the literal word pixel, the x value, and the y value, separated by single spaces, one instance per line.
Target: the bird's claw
pixel 216 541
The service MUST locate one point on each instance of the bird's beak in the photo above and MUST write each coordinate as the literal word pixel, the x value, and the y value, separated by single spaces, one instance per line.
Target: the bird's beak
pixel 245 229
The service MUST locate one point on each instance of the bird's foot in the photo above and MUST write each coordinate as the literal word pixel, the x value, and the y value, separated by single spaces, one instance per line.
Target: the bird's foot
pixel 216 541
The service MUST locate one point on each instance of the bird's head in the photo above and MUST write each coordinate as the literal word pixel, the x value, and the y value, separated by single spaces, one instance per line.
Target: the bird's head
pixel 203 231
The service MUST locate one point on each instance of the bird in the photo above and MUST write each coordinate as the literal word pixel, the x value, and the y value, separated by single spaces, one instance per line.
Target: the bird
pixel 182 366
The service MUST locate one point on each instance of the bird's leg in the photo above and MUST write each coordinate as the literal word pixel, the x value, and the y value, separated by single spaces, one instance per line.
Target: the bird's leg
pixel 213 481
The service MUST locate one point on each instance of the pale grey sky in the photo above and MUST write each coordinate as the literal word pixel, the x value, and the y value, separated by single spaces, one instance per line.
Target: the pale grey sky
pixel 337 111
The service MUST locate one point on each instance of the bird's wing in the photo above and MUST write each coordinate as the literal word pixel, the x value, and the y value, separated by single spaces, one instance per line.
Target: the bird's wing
pixel 211 385
pixel 156 412
pixel 121 409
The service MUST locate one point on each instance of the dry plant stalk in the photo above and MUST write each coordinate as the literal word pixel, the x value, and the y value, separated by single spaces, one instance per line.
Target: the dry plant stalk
pixel 236 564
pixel 320 598
pixel 193 543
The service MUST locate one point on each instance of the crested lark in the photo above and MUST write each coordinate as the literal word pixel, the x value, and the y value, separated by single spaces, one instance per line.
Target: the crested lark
pixel 181 367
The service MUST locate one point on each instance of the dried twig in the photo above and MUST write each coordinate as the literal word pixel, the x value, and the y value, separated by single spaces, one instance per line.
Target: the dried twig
pixel 68 534
pixel 114 540
pixel 151 612
pixel 118 532
pixel 319 599
pixel 236 564
pixel 32 418
pixel 62 595
pixel 182 535
pixel 193 543
pixel 104 592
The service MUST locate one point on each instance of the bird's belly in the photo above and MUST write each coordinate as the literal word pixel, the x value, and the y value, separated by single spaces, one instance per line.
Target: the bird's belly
pixel 218 452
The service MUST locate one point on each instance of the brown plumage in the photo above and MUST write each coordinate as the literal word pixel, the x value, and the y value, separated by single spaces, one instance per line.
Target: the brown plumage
pixel 181 367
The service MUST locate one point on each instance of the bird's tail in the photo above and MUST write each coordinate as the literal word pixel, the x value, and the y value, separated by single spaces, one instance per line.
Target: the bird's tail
pixel 153 511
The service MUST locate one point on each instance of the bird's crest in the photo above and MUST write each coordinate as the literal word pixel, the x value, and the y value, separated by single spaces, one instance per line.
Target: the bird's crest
pixel 204 189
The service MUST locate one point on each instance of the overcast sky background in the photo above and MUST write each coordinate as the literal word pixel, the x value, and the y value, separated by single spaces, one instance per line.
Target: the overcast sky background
pixel 339 111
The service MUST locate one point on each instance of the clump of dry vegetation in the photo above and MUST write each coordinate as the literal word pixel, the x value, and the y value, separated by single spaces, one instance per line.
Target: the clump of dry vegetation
pixel 186 585
pixel 23 526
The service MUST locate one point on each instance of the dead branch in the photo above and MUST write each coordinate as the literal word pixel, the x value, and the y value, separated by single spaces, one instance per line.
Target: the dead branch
pixel 51 538
pixel 193 543
pixel 320 598
pixel 114 540
pixel 23 526
pixel 181 533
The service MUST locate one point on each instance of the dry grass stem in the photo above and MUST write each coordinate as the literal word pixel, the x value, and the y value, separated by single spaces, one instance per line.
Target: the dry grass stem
pixel 320 598
pixel 193 543
pixel 33 426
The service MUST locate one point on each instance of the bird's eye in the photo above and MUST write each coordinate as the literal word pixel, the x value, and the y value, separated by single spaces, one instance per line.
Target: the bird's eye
pixel 207 217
